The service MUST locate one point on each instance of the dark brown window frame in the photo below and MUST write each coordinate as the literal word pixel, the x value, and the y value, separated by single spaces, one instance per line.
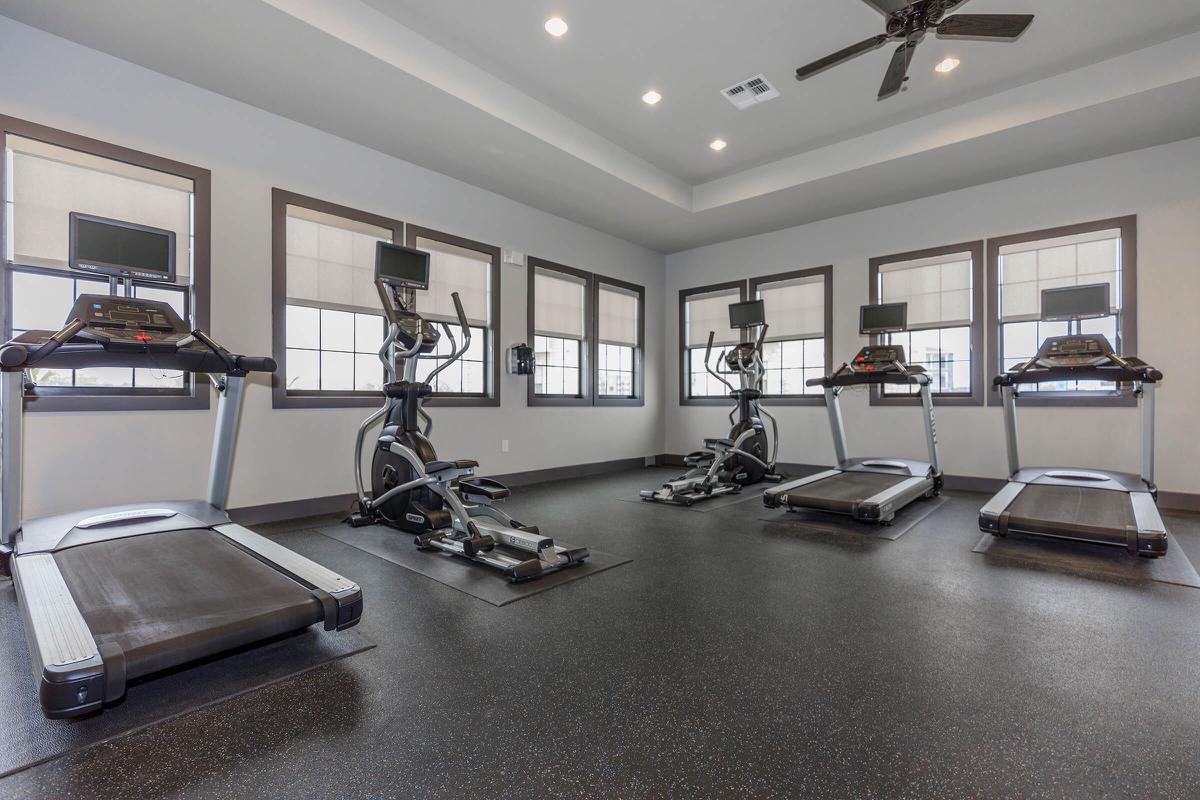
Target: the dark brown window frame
pixel 309 398
pixel 491 396
pixel 196 396
pixel 684 380
pixel 1126 321
pixel 639 352
pixel 587 384
pixel 826 274
pixel 979 376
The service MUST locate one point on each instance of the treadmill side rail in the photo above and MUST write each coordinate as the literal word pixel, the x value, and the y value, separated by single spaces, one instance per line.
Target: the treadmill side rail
pixel 66 661
pixel 882 507
pixel 346 594
pixel 775 495
pixel 1151 530
pixel 989 515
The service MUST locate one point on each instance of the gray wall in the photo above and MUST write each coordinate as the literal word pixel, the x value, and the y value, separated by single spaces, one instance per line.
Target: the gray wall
pixel 1160 185
pixel 294 454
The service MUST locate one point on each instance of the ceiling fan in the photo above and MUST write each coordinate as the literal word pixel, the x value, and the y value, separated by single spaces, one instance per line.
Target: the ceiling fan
pixel 909 20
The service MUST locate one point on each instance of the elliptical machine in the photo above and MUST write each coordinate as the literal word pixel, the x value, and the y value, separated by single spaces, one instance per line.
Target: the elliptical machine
pixel 727 465
pixel 442 502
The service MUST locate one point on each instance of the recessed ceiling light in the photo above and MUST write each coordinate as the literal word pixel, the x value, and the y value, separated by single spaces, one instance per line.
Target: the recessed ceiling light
pixel 946 65
pixel 718 144
pixel 651 98
pixel 555 26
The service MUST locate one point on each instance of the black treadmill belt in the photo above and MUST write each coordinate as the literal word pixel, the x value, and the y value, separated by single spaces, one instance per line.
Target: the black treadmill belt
pixel 169 598
pixel 1102 513
pixel 842 491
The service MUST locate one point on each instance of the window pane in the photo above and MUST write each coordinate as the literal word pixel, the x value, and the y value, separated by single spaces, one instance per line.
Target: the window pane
pixel 472 377
pixel 158 379
pixel 52 377
pixel 1020 340
pixel 626 358
pixel 814 353
pixel 477 350
pixel 303 327
pixel 956 344
pixel 40 302
pixel 571 380
pixel 571 349
pixel 337 371
pixel 368 373
pixel 104 376
pixel 337 332
pixel 303 369
pixel 539 379
pixel 368 333
pixel 172 297
pixel 810 374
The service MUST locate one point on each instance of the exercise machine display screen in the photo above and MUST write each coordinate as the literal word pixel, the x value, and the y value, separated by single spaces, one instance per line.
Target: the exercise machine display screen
pixel 1076 302
pixel 747 314
pixel 884 318
pixel 402 266
pixel 111 247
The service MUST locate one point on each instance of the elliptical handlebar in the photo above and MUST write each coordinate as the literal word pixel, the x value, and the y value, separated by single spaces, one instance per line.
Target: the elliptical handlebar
pixel 708 359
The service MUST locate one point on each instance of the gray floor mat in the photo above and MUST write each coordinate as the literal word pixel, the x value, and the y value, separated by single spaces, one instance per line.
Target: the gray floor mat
pixel 30 738
pixel 477 580
pixel 1089 560
pixel 826 523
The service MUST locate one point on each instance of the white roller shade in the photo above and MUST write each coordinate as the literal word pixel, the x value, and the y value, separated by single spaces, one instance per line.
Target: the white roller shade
pixel 794 309
pixel 331 260
pixel 937 290
pixel 710 312
pixel 617 320
pixel 49 182
pixel 455 269
pixel 1027 268
pixel 558 304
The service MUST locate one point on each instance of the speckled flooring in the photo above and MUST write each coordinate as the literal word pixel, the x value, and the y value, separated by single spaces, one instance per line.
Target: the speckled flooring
pixel 733 658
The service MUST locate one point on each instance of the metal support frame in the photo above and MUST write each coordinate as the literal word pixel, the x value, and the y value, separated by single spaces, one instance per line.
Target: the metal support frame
pixel 1008 396
pixel 930 428
pixel 12 399
pixel 229 412
pixel 1148 433
pixel 834 407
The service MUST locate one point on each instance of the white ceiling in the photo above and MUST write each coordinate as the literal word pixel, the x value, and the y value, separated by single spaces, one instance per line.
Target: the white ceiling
pixel 689 50
pixel 477 90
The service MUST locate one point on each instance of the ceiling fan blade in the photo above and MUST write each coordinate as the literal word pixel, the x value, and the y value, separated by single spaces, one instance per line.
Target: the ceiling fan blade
pixel 893 79
pixel 888 7
pixel 985 26
pixel 845 54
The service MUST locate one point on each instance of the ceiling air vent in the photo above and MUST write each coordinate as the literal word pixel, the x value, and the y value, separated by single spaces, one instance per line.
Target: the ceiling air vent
pixel 750 92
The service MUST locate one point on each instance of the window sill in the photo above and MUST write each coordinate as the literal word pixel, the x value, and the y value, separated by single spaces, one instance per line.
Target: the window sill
pixel 1069 400
pixel 558 400
pixel 942 400
pixel 62 401
pixel 454 401
pixel 620 401
pixel 723 400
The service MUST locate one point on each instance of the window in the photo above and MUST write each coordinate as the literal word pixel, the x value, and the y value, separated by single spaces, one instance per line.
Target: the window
pixel 702 310
pixel 48 174
pixel 799 311
pixel 620 328
pixel 944 292
pixel 558 321
pixel 329 324
pixel 1022 266
pixel 473 270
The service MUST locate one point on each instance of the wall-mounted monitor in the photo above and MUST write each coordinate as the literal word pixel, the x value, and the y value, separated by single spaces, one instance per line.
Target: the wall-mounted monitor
pixel 401 266
pixel 1076 302
pixel 883 318
pixel 124 249
pixel 747 314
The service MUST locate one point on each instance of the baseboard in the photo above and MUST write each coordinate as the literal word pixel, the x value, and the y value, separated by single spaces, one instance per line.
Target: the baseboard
pixel 336 504
pixel 1168 501
pixel 564 473
pixel 292 509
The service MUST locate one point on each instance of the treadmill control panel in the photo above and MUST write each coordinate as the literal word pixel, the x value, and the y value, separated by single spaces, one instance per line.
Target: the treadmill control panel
pixel 879 358
pixel 1078 350
pixel 124 323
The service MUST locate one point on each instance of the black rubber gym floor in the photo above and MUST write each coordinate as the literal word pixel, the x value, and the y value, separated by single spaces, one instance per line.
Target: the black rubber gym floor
pixel 729 659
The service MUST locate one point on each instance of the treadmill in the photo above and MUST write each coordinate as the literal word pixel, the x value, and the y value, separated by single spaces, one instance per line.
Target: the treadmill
pixel 1088 505
pixel 113 594
pixel 870 490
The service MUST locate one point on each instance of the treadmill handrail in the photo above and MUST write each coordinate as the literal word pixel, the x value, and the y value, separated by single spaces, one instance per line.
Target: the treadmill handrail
pixel 1133 370
pixel 30 350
